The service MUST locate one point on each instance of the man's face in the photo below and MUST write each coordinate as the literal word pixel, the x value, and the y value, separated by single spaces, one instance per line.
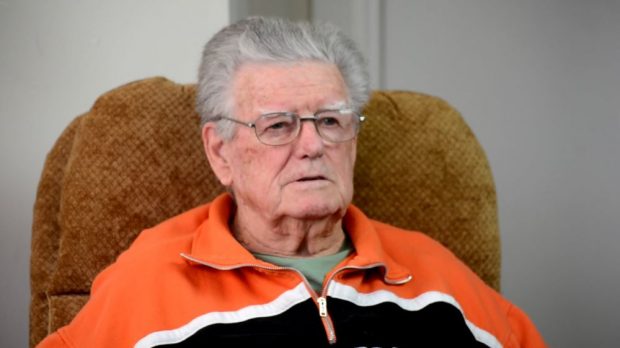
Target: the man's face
pixel 305 179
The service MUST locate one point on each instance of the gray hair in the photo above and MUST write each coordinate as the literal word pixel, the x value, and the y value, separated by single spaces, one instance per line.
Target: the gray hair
pixel 260 39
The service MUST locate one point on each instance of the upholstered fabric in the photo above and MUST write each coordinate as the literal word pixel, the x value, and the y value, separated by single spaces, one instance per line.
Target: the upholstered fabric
pixel 136 159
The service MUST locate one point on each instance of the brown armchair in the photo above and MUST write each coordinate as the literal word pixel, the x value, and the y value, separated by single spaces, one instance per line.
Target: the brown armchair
pixel 136 159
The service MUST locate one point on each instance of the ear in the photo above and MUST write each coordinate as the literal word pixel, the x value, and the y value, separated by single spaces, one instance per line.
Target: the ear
pixel 216 149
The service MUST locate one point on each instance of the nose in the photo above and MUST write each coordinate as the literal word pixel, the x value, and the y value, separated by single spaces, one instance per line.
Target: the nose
pixel 309 142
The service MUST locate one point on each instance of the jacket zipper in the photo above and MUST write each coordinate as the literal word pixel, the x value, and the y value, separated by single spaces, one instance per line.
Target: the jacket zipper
pixel 322 300
pixel 322 306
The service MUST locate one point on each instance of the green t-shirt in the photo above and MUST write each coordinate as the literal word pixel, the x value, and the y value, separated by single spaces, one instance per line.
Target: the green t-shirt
pixel 313 268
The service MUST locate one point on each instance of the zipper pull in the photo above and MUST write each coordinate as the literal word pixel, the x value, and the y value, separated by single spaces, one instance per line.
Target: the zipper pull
pixel 322 306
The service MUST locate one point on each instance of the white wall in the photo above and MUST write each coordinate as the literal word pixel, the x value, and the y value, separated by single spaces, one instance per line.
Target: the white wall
pixel 539 83
pixel 294 10
pixel 56 57
pixel 362 21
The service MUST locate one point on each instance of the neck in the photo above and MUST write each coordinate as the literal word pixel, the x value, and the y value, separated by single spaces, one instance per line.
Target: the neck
pixel 291 237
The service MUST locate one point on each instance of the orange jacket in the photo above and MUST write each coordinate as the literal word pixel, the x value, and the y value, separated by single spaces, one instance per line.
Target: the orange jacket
pixel 187 282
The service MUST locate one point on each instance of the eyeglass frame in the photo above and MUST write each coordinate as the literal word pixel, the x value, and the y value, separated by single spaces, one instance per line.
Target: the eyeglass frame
pixel 315 117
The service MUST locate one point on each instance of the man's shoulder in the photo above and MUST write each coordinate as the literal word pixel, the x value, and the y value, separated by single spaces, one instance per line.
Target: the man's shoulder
pixel 156 250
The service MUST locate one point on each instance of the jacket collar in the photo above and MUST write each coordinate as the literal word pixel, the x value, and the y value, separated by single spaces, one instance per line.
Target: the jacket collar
pixel 369 249
pixel 214 243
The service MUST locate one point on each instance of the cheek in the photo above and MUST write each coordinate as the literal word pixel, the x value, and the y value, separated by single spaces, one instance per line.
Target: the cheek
pixel 349 155
pixel 351 165
pixel 345 164
pixel 256 169
pixel 247 163
pixel 248 157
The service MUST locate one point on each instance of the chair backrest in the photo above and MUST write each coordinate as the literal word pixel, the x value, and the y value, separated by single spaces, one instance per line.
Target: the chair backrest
pixel 136 159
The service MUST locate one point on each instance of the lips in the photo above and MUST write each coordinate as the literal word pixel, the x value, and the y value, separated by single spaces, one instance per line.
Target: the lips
pixel 311 178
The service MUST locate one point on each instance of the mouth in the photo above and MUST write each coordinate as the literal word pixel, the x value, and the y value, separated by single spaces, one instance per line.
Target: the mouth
pixel 312 178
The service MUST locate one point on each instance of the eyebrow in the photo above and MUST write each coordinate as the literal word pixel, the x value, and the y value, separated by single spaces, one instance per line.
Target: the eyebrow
pixel 337 105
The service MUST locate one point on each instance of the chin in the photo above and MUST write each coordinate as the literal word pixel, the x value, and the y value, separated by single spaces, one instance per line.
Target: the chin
pixel 302 202
pixel 308 209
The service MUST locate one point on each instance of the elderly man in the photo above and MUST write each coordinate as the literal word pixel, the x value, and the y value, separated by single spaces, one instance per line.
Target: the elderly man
pixel 283 259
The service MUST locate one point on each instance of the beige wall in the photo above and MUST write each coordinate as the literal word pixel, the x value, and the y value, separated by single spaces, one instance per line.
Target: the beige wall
pixel 55 58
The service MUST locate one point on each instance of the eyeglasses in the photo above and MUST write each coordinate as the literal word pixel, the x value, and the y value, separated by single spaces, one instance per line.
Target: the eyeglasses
pixel 280 128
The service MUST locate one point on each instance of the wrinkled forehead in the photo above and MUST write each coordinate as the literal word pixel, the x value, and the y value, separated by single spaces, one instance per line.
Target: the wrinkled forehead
pixel 305 86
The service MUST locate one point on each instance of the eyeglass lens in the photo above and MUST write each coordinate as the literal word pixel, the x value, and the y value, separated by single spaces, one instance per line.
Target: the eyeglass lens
pixel 281 128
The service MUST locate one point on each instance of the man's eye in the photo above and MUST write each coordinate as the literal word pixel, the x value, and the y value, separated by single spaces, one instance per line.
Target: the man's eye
pixel 329 121
pixel 278 125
